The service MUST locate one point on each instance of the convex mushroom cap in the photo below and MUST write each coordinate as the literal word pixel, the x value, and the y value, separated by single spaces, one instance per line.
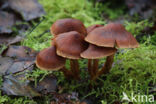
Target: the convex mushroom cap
pixel 70 44
pixel 112 35
pixel 96 52
pixel 47 59
pixel 92 27
pixel 67 25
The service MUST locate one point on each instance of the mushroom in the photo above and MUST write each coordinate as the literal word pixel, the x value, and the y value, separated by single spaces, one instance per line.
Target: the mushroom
pixel 111 35
pixel 47 59
pixel 95 53
pixel 89 29
pixel 70 45
pixel 67 25
pixel 92 27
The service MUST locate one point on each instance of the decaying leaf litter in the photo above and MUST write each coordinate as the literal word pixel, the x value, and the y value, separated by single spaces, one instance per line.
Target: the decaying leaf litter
pixel 13 14
pixel 17 60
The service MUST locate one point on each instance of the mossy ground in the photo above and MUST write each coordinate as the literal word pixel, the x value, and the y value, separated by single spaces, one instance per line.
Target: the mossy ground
pixel 133 71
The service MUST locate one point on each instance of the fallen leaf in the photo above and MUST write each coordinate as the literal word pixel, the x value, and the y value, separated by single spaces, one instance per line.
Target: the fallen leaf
pixel 13 86
pixel 47 85
pixel 29 9
pixel 18 61
pixel 8 40
pixel 23 58
pixel 20 66
pixel 22 53
pixel 5 63
pixel 16 39
pixel 7 20
pixel 15 52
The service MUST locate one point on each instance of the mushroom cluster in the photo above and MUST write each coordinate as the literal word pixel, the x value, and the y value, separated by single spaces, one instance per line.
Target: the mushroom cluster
pixel 73 41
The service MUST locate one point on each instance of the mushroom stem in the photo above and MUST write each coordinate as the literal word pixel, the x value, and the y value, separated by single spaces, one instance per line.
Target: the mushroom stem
pixel 72 68
pixel 106 68
pixel 66 72
pixel 95 66
pixel 108 65
pixel 90 67
pixel 75 68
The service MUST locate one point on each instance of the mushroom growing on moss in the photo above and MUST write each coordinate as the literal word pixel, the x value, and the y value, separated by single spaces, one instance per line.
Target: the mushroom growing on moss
pixel 47 59
pixel 64 26
pixel 73 41
pixel 95 53
pixel 70 45
pixel 112 35
pixel 91 70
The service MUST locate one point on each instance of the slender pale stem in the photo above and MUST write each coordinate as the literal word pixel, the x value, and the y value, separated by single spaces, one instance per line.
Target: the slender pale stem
pixel 106 68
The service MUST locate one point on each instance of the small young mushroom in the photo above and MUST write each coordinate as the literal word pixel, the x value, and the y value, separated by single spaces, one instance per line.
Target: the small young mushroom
pixel 67 25
pixel 111 35
pixel 70 45
pixel 95 52
pixel 47 59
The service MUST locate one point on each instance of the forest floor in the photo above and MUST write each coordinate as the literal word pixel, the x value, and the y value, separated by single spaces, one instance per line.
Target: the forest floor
pixel 133 71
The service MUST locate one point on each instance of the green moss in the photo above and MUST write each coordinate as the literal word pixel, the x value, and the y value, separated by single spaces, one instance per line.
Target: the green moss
pixel 21 100
pixel 153 39
pixel 137 27
pixel 134 72
pixel 57 9
pixel 37 75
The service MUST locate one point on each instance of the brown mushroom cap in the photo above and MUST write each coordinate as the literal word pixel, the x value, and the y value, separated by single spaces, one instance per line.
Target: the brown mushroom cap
pixel 70 44
pixel 92 27
pixel 67 25
pixel 112 35
pixel 96 52
pixel 47 59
